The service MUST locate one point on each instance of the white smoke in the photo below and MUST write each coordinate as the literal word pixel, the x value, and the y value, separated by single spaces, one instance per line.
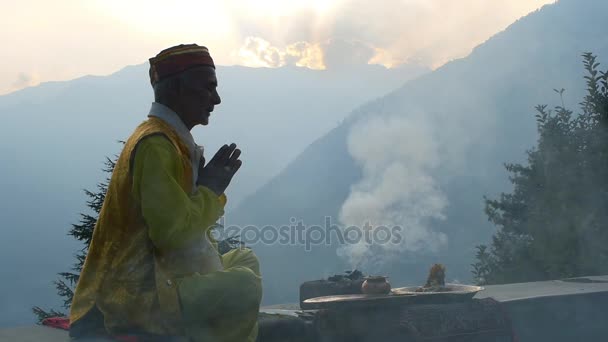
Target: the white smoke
pixel 397 156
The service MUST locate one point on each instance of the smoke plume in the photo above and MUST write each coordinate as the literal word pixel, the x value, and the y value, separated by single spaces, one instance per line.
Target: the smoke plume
pixel 397 155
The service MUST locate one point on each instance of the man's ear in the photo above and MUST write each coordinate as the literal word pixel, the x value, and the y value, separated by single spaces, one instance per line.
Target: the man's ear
pixel 176 86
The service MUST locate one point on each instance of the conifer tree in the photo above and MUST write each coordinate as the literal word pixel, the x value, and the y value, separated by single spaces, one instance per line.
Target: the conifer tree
pixel 554 224
pixel 82 231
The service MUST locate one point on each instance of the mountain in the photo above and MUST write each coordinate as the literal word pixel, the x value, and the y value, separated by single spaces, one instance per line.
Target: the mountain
pixel 423 156
pixel 54 138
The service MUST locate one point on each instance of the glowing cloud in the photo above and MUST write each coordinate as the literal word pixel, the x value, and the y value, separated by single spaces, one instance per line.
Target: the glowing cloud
pixel 257 52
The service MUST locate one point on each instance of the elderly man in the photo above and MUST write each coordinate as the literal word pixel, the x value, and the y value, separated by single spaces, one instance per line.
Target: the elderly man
pixel 153 269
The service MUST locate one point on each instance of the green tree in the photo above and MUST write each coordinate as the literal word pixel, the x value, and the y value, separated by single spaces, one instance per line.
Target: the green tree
pixel 82 231
pixel 554 224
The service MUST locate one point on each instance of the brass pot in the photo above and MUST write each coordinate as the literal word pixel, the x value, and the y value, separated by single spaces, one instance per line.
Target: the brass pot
pixel 376 285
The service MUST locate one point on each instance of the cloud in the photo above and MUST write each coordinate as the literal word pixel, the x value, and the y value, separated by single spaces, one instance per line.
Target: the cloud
pixel 390 32
pixel 257 52
pixel 331 54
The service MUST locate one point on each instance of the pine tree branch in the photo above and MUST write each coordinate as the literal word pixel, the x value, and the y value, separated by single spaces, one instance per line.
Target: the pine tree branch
pixel 41 314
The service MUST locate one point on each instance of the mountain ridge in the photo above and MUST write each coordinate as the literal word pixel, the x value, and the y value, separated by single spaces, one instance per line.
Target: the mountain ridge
pixel 479 112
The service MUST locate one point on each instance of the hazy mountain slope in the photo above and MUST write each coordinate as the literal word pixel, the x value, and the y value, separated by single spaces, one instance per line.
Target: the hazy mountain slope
pixel 54 137
pixel 459 123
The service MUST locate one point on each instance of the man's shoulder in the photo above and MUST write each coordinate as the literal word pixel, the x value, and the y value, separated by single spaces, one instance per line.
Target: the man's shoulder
pixel 157 140
pixel 153 127
pixel 148 137
pixel 149 132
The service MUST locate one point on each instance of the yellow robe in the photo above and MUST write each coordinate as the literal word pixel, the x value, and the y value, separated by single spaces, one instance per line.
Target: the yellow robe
pixel 146 269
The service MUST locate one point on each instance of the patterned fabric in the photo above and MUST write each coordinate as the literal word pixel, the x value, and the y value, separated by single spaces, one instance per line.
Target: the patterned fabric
pixel 178 58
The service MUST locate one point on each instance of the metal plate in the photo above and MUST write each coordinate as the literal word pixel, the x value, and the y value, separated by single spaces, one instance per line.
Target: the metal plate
pixel 451 289
pixel 354 301
pixel 398 296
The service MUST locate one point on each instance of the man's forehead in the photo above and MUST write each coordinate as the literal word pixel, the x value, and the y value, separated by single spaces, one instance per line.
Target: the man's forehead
pixel 203 74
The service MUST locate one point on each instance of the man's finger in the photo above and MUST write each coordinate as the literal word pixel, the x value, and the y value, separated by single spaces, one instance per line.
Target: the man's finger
pixel 229 151
pixel 235 155
pixel 236 166
pixel 225 153
pixel 220 153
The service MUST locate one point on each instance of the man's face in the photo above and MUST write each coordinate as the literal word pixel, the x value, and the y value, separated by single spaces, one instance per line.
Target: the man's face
pixel 198 96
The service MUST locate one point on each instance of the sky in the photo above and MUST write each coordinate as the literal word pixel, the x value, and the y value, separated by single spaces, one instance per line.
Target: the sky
pixel 65 39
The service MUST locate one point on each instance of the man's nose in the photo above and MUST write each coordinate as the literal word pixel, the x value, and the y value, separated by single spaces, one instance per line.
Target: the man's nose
pixel 217 100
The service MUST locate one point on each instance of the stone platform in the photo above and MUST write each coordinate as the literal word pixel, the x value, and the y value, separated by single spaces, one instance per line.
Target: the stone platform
pixel 561 310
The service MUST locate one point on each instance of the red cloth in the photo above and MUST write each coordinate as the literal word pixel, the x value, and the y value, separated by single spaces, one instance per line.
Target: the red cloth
pixel 57 322
pixel 64 324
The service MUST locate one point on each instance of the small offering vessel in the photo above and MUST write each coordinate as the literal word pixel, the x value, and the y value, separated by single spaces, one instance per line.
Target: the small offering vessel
pixel 376 285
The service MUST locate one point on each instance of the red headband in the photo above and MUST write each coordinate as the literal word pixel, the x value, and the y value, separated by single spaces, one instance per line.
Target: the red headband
pixel 177 59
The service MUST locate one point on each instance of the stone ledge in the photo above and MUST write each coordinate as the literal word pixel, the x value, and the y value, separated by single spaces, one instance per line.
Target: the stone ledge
pixel 566 287
pixel 560 310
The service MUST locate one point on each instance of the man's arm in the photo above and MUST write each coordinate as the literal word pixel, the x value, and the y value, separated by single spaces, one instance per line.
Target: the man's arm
pixel 174 218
